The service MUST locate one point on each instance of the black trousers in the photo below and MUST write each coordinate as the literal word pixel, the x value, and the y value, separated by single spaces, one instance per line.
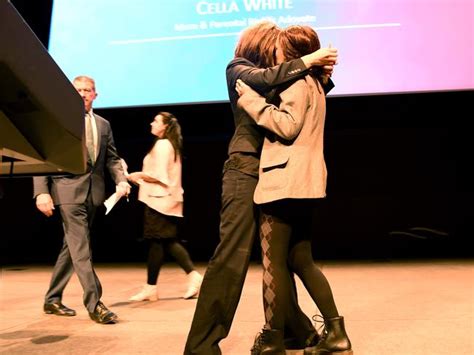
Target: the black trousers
pixel 76 255
pixel 225 274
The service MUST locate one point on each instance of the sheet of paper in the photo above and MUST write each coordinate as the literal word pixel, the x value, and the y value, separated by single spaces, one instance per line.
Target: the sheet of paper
pixel 111 201
pixel 114 198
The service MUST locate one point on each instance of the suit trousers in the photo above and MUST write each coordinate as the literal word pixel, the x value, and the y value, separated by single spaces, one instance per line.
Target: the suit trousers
pixel 76 255
pixel 225 274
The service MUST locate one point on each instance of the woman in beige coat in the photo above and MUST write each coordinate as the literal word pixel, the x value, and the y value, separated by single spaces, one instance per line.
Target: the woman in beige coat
pixel 292 179
pixel 161 192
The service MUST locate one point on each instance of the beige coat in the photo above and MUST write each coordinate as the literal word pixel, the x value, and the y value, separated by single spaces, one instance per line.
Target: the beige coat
pixel 292 161
pixel 165 197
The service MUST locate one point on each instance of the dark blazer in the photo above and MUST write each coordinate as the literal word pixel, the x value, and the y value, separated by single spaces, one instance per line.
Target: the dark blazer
pixel 73 189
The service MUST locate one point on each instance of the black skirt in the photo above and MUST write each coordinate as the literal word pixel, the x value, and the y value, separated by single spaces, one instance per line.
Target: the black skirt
pixel 158 225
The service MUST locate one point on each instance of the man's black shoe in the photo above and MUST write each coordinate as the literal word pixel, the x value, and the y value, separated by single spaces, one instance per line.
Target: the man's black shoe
pixel 102 314
pixel 58 309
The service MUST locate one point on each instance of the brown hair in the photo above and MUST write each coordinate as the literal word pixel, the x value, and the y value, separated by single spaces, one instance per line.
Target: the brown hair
pixel 297 41
pixel 173 132
pixel 257 44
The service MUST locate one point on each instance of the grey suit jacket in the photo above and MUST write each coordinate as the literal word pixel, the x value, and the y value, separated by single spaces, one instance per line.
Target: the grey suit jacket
pixel 292 161
pixel 73 189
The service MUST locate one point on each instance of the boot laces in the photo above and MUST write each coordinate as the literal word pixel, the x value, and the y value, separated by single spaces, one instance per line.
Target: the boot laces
pixel 259 342
pixel 319 325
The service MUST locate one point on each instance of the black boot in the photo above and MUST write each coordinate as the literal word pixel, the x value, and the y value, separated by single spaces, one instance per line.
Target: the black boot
pixel 334 340
pixel 268 342
pixel 302 342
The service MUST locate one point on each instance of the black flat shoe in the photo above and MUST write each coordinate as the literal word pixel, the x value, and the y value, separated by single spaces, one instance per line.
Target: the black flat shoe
pixel 103 315
pixel 58 309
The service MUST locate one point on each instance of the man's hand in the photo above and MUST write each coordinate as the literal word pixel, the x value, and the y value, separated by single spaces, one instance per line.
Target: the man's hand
pixel 321 57
pixel 123 188
pixel 44 203
pixel 124 167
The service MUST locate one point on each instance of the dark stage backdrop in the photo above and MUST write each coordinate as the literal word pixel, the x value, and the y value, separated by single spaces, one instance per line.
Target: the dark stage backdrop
pixel 399 186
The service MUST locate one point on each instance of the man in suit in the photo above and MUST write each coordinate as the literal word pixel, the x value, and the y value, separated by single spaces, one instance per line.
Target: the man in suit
pixel 225 274
pixel 77 198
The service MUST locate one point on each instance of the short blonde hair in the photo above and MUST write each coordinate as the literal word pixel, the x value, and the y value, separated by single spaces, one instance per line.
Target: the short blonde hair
pixel 85 78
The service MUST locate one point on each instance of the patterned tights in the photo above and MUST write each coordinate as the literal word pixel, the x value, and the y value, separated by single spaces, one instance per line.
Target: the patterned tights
pixel 285 232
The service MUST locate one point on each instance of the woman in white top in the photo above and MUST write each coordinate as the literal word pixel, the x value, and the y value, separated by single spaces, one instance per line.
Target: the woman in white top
pixel 160 190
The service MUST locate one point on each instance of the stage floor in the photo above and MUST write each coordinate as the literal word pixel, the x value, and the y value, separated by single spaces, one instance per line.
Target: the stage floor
pixel 390 308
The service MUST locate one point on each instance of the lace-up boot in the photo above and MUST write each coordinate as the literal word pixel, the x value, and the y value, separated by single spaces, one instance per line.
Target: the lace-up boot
pixel 268 342
pixel 301 342
pixel 334 340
